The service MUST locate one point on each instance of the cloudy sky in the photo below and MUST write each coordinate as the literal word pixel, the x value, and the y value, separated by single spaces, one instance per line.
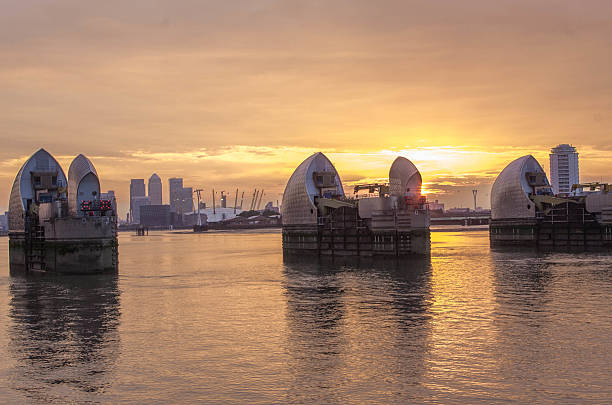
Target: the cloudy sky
pixel 236 93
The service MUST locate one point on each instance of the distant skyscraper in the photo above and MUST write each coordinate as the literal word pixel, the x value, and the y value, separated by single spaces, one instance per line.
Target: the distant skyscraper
pixel 564 170
pixel 187 200
pixel 155 189
pixel 176 193
pixel 137 189
pixel 138 202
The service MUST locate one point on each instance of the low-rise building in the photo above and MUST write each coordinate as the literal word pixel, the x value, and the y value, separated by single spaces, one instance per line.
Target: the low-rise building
pixel 155 215
pixel 4 222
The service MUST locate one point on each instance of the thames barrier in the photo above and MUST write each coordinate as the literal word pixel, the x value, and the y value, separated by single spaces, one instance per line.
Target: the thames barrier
pixel 525 212
pixel 319 219
pixel 59 224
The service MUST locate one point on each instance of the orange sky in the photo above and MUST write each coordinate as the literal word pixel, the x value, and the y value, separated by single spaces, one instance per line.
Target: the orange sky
pixel 236 94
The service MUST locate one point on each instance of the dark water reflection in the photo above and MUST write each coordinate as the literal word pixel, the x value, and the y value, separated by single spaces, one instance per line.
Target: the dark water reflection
pixel 63 333
pixel 222 318
pixel 343 316
pixel 554 324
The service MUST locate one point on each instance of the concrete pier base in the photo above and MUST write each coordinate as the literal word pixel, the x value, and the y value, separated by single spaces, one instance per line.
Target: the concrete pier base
pixel 355 242
pixel 83 256
pixel 559 236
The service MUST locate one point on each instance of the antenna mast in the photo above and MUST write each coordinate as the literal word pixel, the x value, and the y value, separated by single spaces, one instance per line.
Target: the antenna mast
pixel 199 220
pixel 260 198
pixel 235 201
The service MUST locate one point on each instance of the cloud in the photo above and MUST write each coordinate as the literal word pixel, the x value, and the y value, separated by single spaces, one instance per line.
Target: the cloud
pixel 238 93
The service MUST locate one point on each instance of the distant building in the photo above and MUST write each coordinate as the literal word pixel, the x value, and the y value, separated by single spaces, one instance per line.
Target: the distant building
pixel 155 189
pixel 564 171
pixel 270 207
pixel 458 211
pixel 137 189
pixel 176 193
pixel 137 203
pixel 155 215
pixel 436 206
pixel 187 200
pixel 192 218
pixel 254 221
pixel 110 195
pixel 220 214
pixel 4 222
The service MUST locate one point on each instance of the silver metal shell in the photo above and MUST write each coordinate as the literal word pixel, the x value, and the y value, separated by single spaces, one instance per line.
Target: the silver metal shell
pixel 510 192
pixel 82 181
pixel 404 178
pixel 22 189
pixel 298 206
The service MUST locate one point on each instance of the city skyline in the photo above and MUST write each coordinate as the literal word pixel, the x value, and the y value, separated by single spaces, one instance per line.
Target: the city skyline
pixel 229 96
pixel 455 194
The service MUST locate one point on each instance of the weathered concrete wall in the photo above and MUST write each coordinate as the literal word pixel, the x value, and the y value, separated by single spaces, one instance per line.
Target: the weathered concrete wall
pixel 420 241
pixel 76 257
pixel 83 257
pixel 561 236
pixel 17 256
pixel 71 245
pixel 80 228
pixel 355 242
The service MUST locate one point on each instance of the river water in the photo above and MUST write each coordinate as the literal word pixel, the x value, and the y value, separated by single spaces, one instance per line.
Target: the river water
pixel 220 318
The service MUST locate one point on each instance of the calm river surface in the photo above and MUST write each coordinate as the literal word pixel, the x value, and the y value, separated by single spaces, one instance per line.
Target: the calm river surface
pixel 219 318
